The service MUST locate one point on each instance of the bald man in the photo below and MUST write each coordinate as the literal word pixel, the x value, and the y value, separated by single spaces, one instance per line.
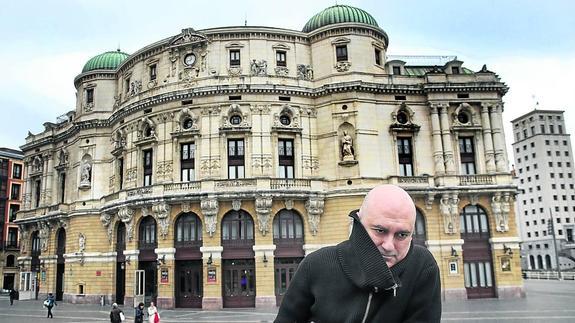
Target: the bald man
pixel 377 275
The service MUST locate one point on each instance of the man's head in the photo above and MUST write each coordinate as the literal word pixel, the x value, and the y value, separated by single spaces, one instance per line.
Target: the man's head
pixel 114 305
pixel 388 215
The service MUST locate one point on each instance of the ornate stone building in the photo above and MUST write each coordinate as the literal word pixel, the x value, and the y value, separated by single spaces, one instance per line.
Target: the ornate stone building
pixel 201 169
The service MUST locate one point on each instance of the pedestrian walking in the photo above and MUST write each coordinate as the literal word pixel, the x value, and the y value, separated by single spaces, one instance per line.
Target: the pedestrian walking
pixel 153 315
pixel 116 314
pixel 49 303
pixel 12 296
pixel 139 317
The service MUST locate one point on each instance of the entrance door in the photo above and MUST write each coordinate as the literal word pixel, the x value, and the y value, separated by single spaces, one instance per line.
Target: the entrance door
pixel 239 283
pixel 139 287
pixel 151 281
pixel 189 284
pixel 284 270
pixel 477 263
pixel 60 270
pixel 120 282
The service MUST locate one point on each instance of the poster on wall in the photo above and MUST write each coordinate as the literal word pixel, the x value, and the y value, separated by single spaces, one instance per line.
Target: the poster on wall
pixel 164 276
pixel 43 275
pixel 212 275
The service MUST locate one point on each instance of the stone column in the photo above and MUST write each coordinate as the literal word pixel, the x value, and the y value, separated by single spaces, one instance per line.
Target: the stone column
pixel 437 145
pixel 212 257
pixel 265 287
pixel 166 289
pixel 498 138
pixel 28 195
pixel 487 139
pixel 446 140
pixel 49 182
pixel 43 200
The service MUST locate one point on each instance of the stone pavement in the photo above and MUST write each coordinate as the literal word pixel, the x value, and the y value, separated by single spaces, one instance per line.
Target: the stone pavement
pixel 546 301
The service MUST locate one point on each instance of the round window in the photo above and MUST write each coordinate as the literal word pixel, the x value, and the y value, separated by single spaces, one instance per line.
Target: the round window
pixel 188 123
pixel 402 117
pixel 235 119
pixel 463 117
pixel 285 120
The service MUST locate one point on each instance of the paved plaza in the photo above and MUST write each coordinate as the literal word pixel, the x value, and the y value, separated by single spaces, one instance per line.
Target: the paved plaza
pixel 546 301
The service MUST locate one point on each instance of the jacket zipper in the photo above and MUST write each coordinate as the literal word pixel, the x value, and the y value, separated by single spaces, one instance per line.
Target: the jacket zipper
pixel 394 287
pixel 367 308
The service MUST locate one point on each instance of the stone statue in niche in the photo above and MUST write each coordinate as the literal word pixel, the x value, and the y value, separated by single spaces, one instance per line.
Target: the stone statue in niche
pixel 86 173
pixel 81 242
pixel 259 68
pixel 347 151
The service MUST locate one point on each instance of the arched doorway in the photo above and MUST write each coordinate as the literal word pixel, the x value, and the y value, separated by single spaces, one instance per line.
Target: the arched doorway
pixel 548 264
pixel 288 239
pixel 60 264
pixel 147 258
pixel 120 263
pixel 540 262
pixel 477 261
pixel 189 267
pixel 531 262
pixel 35 261
pixel 239 275
pixel 420 231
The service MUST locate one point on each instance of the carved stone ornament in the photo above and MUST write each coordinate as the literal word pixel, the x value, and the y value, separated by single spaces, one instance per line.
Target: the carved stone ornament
pixel 126 215
pixel 236 205
pixel 342 66
pixel 186 207
pixel 234 71
pixel 288 204
pixel 500 206
pixel 44 234
pixel 263 212
pixel 281 71
pixel 107 219
pixel 429 198
pixel 161 212
pixel 81 242
pixel 448 207
pixel 188 36
pixel 24 237
pixel 314 207
pixel 259 68
pixel 210 208
pixel 304 72
pixel 474 199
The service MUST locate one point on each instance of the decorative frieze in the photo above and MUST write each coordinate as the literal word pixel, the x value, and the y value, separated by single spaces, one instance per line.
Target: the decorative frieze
pixel 500 206
pixel 259 68
pixel 44 234
pixel 107 219
pixel 126 215
pixel 342 66
pixel 448 207
pixel 281 71
pixel 304 72
pixel 161 212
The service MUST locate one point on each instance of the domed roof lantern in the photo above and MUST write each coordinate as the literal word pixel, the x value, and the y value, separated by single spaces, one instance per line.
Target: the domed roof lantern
pixel 339 14
pixel 105 61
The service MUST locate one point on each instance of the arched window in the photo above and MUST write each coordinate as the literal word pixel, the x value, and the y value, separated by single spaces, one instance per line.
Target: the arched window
pixel 237 228
pixel 36 249
pixel 121 237
pixel 61 249
pixel 419 232
pixel 288 226
pixel 10 262
pixel 148 233
pixel 188 231
pixel 548 262
pixel 473 221
pixel 531 262
pixel 539 262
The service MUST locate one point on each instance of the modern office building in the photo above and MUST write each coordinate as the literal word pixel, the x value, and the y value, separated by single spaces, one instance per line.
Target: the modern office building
pixel 11 192
pixel 544 173
pixel 199 170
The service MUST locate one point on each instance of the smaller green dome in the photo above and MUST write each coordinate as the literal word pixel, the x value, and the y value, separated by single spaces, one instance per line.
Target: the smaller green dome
pixel 339 14
pixel 105 61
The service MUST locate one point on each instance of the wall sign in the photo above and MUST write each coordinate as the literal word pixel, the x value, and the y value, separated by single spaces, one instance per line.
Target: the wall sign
pixel 164 276
pixel 453 267
pixel 212 275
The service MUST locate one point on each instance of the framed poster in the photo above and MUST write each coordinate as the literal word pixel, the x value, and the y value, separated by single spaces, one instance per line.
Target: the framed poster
pixel 164 276
pixel 453 267
pixel 505 264
pixel 212 275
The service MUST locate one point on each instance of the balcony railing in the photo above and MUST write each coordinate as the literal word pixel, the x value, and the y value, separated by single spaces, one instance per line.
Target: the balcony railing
pixel 236 183
pixel 466 180
pixel 185 186
pixel 279 183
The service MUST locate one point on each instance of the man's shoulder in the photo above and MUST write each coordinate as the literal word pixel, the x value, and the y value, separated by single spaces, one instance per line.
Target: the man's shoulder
pixel 423 255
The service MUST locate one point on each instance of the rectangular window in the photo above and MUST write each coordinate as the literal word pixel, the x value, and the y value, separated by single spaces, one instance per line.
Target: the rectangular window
pixel 405 156
pixel 37 190
pixel 127 85
pixel 148 169
pixel 286 158
pixel 560 129
pixel 542 129
pixel 551 128
pixel 13 209
pixel 236 163
pixel 187 162
pixel 17 171
pixel 62 191
pixel 454 70
pixel 121 171
pixel 235 57
pixel 12 238
pixel 281 58
pixel 396 70
pixel 89 96
pixel 15 193
pixel 377 53
pixel 341 53
pixel 153 72
pixel 467 155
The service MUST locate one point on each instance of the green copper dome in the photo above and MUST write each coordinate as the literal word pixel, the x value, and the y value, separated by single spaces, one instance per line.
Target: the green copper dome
pixel 105 61
pixel 339 14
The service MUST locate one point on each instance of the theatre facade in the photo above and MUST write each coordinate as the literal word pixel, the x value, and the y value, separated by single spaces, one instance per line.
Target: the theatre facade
pixel 201 169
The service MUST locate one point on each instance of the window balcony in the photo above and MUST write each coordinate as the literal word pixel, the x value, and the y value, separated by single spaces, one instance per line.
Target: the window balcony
pixel 467 180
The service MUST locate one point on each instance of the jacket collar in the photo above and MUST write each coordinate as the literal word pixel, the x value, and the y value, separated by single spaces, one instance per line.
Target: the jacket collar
pixel 362 262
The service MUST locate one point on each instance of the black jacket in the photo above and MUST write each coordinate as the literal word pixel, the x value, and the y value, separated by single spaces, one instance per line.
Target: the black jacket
pixel 115 315
pixel 351 282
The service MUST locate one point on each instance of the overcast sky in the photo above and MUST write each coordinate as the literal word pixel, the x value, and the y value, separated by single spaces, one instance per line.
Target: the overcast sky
pixel 44 44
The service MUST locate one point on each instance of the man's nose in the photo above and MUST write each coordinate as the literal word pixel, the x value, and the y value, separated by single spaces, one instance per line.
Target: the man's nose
pixel 387 243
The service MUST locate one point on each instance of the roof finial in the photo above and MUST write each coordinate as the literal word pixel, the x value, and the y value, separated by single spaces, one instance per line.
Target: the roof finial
pixel 246 19
pixel 118 50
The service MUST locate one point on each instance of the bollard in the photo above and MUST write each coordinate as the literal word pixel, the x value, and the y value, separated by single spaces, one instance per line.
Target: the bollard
pixel 102 300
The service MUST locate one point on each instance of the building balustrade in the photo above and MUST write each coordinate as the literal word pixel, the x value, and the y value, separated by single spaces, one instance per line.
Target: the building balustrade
pixel 279 183
pixel 183 186
pixel 466 180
